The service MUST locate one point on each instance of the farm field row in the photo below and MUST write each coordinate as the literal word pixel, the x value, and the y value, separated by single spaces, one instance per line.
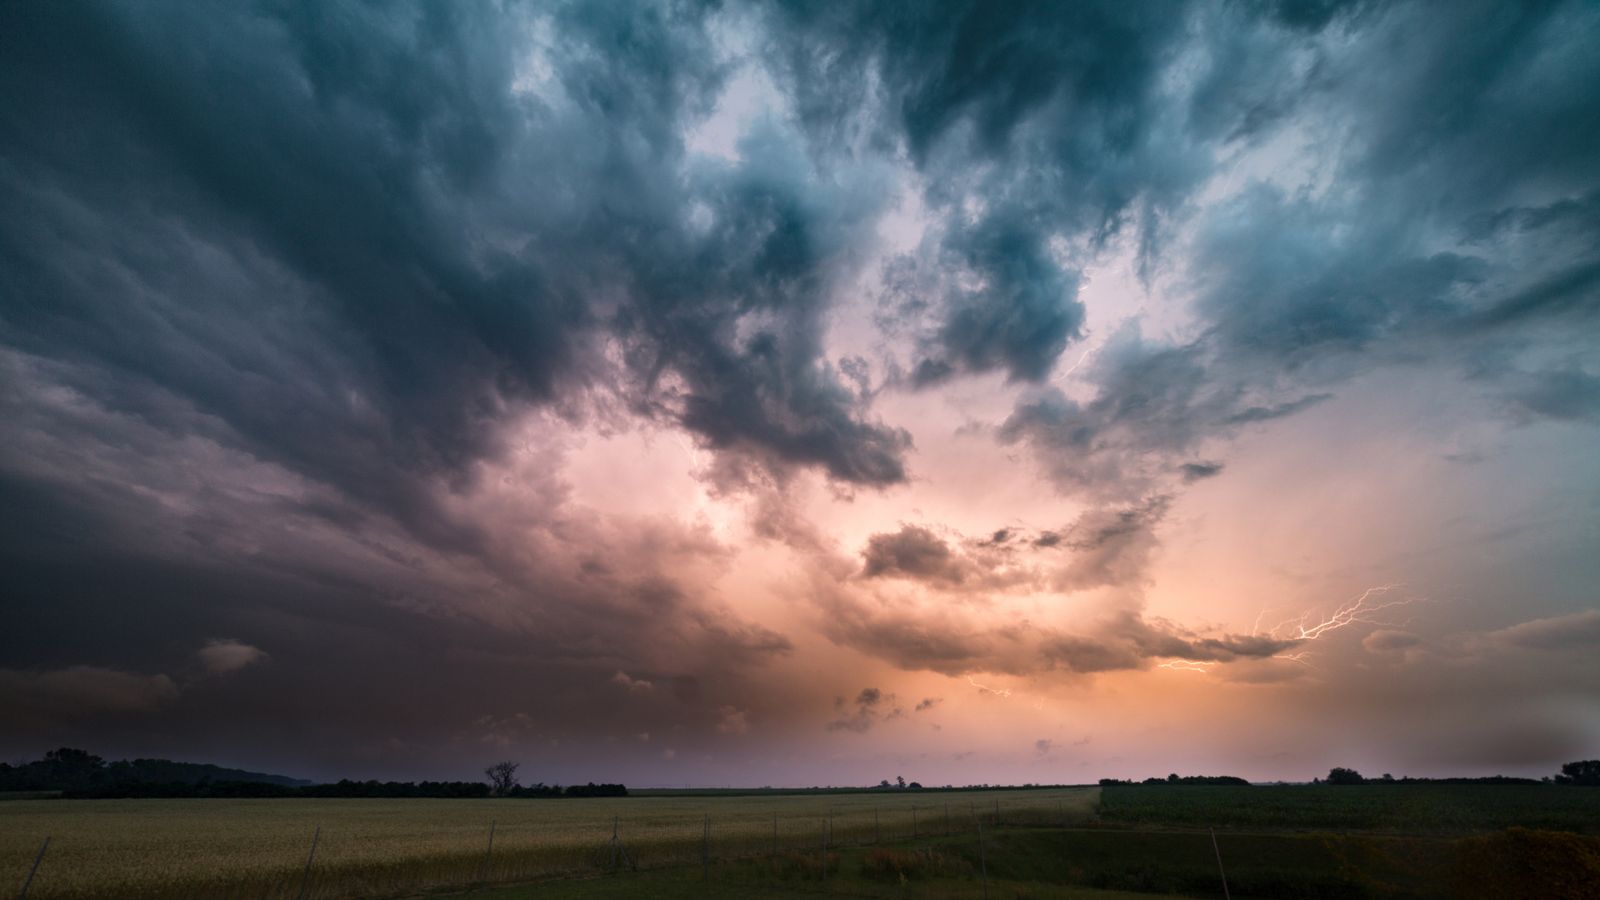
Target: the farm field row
pixel 158 849
pixel 1403 809
pixel 1372 840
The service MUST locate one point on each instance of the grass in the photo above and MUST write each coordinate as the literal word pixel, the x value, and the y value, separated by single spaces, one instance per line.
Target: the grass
pixel 1408 809
pixel 160 849
pixel 1091 864
pixel 1316 843
pixel 902 871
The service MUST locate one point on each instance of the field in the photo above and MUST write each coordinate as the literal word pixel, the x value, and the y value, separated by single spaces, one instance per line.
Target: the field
pixel 1412 841
pixel 157 849
pixel 1410 809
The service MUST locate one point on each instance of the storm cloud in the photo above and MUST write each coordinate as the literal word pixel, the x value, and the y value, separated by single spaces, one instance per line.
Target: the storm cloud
pixel 601 360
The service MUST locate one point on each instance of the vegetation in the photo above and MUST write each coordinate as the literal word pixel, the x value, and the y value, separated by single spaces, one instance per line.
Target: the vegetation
pixel 159 849
pixel 1413 808
pixel 1385 837
pixel 69 769
pixel 79 775
pixel 1182 779
pixel 1584 772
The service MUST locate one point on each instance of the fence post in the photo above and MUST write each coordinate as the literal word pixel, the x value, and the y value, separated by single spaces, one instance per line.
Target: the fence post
pixel 774 834
pixel 1215 849
pixel 305 879
pixel 983 862
pixel 483 870
pixel 705 851
pixel 825 852
pixel 36 860
pixel 614 841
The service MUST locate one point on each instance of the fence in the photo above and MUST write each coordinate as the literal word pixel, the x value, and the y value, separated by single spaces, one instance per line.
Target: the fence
pixel 337 860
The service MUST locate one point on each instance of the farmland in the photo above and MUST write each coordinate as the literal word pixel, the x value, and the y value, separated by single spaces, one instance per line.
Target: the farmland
pixel 1417 841
pixel 157 849
pixel 1410 809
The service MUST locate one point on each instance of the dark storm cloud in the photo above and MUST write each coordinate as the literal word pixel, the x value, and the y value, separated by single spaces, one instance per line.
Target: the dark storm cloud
pixel 939 640
pixel 309 242
pixel 1198 471
pixel 1019 318
pixel 871 707
pixel 1578 631
pixel 1112 546
pixel 912 552
pixel 275 285
pixel 1041 125
pixel 278 285
pixel 1425 249
pixel 1156 405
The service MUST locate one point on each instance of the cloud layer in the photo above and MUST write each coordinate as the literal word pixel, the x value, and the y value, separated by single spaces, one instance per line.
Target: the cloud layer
pixel 620 365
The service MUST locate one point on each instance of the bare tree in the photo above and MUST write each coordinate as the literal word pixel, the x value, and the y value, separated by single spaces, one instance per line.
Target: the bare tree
pixel 502 777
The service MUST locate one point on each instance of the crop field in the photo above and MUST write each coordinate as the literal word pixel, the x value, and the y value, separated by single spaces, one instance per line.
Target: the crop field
pixel 1410 809
pixel 158 849
pixel 1417 841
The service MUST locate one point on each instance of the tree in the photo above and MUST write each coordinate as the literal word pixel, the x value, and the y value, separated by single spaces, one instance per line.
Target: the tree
pixel 502 777
pixel 69 767
pixel 900 781
pixel 1338 775
pixel 1584 771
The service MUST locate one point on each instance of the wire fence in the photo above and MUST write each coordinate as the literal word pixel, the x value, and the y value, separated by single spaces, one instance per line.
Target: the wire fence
pixel 341 864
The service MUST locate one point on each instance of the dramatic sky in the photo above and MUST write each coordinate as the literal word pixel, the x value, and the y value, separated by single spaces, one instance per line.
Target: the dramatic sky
pixel 770 393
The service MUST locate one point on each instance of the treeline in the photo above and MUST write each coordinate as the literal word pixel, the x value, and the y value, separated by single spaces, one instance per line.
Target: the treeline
pixel 69 769
pixel 78 774
pixel 1179 779
pixel 1582 772
pixel 344 788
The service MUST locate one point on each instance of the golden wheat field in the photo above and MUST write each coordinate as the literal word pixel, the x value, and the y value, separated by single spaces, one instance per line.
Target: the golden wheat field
pixel 159 849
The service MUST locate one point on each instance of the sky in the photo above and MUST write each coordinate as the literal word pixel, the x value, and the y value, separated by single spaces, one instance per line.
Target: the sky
pixel 802 394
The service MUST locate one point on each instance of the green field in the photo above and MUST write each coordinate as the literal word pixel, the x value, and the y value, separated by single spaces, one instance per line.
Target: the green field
pixel 1407 809
pixel 160 849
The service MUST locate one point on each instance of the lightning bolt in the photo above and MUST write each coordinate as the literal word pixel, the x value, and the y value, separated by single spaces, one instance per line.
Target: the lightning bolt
pixel 998 692
pixel 1360 610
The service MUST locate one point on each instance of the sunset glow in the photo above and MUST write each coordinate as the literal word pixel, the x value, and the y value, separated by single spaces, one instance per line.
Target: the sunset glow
pixel 785 394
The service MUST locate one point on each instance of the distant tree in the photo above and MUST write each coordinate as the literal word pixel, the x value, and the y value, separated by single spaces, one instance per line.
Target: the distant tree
pixel 915 785
pixel 1173 778
pixel 69 768
pixel 502 777
pixel 1338 775
pixel 1387 778
pixel 884 783
pixel 900 781
pixel 1582 772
